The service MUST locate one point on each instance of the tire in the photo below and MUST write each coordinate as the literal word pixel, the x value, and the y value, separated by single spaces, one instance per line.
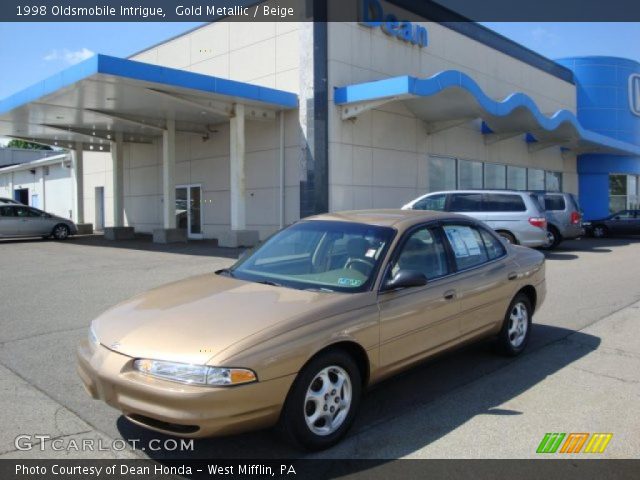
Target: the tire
pixel 516 329
pixel 297 424
pixel 554 236
pixel 600 231
pixel 60 232
pixel 508 237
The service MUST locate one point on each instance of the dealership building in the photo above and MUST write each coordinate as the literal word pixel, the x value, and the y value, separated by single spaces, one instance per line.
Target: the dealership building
pixel 233 129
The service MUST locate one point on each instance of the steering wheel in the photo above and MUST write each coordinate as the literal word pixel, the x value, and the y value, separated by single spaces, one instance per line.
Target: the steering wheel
pixel 358 264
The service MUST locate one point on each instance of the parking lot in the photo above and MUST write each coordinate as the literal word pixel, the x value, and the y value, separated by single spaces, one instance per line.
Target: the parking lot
pixel 581 372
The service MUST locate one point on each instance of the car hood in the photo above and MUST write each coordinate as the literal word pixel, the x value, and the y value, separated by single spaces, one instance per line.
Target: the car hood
pixel 192 320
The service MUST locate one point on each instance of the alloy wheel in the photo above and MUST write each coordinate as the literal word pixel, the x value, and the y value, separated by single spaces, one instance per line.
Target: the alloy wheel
pixel 328 400
pixel 518 324
pixel 61 232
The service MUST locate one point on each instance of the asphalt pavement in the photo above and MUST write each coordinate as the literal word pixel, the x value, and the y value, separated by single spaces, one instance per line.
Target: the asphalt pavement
pixel 581 372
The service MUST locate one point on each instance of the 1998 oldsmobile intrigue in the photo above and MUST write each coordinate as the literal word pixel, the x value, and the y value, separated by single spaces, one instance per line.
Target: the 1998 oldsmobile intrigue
pixel 296 330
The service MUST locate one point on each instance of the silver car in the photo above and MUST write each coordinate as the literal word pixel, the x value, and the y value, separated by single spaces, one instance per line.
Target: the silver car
pixel 564 217
pixel 23 221
pixel 516 216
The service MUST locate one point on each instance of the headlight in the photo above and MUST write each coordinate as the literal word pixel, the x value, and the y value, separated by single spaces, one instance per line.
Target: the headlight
pixel 194 374
pixel 93 338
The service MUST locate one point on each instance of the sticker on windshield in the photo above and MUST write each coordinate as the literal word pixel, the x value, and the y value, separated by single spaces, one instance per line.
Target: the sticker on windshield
pixel 349 282
pixel 370 253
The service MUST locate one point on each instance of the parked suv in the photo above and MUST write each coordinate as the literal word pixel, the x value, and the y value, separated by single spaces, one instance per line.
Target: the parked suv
pixel 516 216
pixel 564 217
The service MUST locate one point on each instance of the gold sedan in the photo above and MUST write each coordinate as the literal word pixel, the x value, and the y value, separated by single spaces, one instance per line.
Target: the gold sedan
pixel 297 329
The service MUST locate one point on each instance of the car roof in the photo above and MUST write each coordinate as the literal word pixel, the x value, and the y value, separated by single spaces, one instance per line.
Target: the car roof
pixel 505 191
pixel 399 219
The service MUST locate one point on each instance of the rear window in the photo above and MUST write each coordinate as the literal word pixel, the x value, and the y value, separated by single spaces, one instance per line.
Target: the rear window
pixel 554 202
pixel 465 202
pixel 500 202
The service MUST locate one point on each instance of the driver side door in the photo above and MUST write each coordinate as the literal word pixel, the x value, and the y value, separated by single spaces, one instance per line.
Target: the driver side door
pixel 418 321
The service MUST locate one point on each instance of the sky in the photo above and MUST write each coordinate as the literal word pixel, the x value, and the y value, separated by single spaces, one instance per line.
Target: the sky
pixel 35 51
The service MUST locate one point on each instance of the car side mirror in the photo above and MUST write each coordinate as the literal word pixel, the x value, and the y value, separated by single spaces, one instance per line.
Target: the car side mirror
pixel 617 217
pixel 406 279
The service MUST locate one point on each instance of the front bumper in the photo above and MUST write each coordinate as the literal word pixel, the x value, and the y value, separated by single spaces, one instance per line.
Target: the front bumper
pixel 176 409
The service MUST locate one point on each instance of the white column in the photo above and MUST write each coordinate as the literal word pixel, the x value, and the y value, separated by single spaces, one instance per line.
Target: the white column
pixel 78 182
pixel 43 189
pixel 237 160
pixel 168 175
pixel 117 156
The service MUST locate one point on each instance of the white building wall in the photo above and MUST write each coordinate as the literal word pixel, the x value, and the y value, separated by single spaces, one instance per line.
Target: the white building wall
pixel 54 190
pixel 380 159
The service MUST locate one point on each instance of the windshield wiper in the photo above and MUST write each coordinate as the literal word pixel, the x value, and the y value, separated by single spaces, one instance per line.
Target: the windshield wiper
pixel 319 289
pixel 269 282
pixel 224 271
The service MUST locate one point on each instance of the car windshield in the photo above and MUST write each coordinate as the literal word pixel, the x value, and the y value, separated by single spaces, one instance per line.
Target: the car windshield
pixel 319 255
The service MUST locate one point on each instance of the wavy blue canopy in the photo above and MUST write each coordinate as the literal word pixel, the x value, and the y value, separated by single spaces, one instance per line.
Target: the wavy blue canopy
pixel 452 95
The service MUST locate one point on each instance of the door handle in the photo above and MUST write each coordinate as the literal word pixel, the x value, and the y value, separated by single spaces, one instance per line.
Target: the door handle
pixel 449 295
pixel 512 276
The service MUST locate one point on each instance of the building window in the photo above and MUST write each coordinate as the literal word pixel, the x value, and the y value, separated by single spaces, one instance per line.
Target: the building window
pixel 469 175
pixel 442 174
pixel 516 178
pixel 495 176
pixel 535 179
pixel 447 173
pixel 623 193
pixel 553 182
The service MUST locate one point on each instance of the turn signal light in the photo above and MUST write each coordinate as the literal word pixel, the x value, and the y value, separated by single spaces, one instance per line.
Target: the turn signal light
pixel 539 222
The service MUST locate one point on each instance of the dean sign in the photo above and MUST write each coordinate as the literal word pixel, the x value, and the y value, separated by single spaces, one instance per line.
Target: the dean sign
pixel 373 15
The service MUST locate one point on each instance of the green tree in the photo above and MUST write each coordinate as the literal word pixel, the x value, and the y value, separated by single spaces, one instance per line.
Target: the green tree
pixel 15 143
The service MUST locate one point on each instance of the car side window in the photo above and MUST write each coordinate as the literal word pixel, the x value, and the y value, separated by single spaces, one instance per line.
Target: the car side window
pixel 495 248
pixel 466 202
pixel 35 213
pixel 423 252
pixel 432 202
pixel 6 212
pixel 500 202
pixel 624 215
pixel 467 245
pixel 554 202
pixel 21 211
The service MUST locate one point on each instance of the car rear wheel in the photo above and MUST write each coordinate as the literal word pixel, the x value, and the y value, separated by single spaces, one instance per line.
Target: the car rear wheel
pixel 516 329
pixel 322 402
pixel 554 237
pixel 600 231
pixel 60 232
pixel 508 237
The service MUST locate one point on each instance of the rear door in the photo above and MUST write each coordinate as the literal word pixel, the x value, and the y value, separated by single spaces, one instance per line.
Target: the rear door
pixel 9 223
pixel 483 276
pixel 504 211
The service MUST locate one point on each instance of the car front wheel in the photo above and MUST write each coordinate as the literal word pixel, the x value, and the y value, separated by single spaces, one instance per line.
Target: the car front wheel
pixel 60 232
pixel 600 231
pixel 322 402
pixel 516 329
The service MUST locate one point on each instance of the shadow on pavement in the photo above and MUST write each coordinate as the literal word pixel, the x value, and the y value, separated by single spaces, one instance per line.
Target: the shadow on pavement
pixel 410 395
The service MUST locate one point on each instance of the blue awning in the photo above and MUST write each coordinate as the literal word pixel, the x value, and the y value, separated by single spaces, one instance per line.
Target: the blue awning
pixel 452 97
pixel 92 100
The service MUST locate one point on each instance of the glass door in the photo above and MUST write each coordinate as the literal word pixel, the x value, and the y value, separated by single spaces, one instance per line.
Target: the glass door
pixel 189 210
